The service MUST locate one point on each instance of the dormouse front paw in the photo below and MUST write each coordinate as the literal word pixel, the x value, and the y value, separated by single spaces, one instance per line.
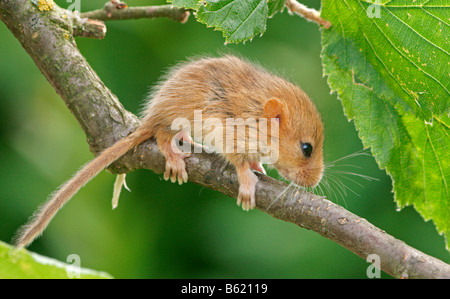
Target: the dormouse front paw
pixel 247 187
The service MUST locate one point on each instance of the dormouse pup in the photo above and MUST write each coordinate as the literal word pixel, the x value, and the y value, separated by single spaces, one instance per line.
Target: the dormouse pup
pixel 220 89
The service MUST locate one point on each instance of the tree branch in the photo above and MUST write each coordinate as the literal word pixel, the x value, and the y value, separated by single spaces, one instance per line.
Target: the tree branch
pixel 116 10
pixel 84 27
pixel 104 120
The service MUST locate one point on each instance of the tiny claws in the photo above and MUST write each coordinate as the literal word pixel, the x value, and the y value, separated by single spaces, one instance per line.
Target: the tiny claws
pixel 246 201
pixel 175 165
pixel 176 170
pixel 173 177
pixel 247 187
pixel 182 177
pixel 167 173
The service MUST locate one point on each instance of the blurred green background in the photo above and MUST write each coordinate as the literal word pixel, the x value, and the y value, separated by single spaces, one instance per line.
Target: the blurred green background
pixel 160 229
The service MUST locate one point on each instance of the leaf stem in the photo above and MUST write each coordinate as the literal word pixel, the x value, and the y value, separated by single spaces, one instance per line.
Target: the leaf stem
pixel 307 13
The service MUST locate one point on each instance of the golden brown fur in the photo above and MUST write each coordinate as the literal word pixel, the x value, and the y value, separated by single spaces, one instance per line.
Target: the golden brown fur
pixel 221 88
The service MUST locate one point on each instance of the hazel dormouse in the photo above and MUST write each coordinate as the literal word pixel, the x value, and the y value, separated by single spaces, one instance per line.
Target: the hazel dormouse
pixel 221 90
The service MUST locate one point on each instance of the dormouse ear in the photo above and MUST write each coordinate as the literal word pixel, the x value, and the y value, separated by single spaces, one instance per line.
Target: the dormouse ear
pixel 273 108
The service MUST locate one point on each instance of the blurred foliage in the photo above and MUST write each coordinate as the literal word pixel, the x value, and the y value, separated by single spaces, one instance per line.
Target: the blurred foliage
pixel 160 229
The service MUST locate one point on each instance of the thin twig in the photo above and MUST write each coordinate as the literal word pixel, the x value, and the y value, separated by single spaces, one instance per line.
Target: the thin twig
pixel 104 120
pixel 90 24
pixel 83 27
pixel 307 13
pixel 115 11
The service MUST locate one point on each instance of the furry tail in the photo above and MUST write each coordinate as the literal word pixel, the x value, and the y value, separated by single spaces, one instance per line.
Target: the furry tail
pixel 45 213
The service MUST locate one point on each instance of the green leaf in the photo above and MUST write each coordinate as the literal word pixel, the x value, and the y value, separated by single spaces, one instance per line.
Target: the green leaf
pixel 392 74
pixel 189 4
pixel 239 20
pixel 27 265
pixel 275 6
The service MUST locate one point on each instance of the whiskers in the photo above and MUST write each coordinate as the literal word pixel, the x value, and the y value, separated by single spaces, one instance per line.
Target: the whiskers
pixel 363 152
pixel 339 177
pixel 290 187
pixel 340 180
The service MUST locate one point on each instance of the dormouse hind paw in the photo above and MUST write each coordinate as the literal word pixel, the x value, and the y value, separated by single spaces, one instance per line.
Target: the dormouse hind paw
pixel 175 166
pixel 176 169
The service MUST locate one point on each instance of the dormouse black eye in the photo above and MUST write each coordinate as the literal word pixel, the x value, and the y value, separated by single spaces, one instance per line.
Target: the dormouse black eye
pixel 306 149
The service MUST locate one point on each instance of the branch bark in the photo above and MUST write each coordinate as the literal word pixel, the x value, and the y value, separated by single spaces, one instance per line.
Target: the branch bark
pixel 104 120
pixel 119 11
pixel 84 27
